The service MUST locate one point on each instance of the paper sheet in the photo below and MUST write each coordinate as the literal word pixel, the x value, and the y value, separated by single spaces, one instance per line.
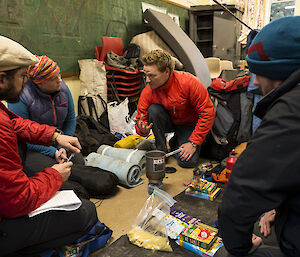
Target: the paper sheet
pixel 65 200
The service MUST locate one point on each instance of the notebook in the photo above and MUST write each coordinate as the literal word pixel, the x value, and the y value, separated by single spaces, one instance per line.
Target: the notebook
pixel 65 200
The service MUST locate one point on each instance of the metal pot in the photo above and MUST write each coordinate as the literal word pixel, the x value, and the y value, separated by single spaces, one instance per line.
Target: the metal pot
pixel 156 163
pixel 155 166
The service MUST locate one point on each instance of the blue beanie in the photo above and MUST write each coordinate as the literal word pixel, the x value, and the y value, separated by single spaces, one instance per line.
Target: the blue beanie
pixel 275 51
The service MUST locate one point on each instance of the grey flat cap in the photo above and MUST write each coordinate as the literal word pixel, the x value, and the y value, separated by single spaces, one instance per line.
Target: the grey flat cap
pixel 13 55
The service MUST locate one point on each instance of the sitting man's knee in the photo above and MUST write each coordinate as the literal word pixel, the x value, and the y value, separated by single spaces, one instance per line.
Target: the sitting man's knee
pixel 192 163
pixel 187 164
pixel 155 110
pixel 87 214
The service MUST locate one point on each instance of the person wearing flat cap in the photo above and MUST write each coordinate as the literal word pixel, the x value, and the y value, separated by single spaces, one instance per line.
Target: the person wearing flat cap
pixel 265 179
pixel 20 194
pixel 46 99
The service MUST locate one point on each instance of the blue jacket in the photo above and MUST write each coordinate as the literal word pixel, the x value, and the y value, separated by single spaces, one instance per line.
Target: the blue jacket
pixel 55 110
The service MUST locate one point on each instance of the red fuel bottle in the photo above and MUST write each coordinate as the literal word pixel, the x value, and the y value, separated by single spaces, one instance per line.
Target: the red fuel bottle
pixel 231 160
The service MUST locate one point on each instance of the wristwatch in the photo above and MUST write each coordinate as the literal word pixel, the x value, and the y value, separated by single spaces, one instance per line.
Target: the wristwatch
pixel 193 144
pixel 56 133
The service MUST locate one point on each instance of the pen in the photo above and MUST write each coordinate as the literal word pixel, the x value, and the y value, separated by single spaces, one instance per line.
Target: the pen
pixel 71 156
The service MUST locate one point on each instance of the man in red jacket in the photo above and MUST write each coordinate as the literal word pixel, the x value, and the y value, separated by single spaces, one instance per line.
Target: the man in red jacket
pixel 19 194
pixel 174 101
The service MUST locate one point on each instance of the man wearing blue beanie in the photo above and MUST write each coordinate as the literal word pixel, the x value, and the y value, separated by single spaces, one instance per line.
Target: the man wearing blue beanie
pixel 266 177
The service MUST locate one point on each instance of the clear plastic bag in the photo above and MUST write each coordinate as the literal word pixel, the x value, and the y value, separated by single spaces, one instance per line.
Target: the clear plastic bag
pixel 149 230
pixel 131 124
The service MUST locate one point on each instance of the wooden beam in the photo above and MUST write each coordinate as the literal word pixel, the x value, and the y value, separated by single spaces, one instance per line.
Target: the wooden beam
pixel 69 75
pixel 180 5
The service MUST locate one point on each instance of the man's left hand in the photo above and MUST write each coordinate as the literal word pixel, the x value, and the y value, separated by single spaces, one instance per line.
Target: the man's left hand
pixel 187 151
pixel 266 222
pixel 68 142
pixel 61 155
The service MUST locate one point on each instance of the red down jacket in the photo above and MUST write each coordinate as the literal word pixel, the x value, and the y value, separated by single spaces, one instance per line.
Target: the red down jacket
pixel 187 101
pixel 19 194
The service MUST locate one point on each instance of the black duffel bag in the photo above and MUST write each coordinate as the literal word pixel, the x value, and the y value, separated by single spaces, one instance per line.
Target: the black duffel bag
pixel 98 183
pixel 91 134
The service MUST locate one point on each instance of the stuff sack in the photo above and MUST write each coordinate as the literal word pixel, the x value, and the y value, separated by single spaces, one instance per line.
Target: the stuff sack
pixel 78 189
pixel 95 239
pixel 91 134
pixel 97 182
pixel 232 124
pixel 83 246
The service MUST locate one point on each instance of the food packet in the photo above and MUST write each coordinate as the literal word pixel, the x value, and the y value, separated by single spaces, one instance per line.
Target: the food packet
pixel 149 230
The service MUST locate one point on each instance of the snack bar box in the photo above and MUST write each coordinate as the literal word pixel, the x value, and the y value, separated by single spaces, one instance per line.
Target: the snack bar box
pixel 201 251
pixel 200 235
pixel 211 197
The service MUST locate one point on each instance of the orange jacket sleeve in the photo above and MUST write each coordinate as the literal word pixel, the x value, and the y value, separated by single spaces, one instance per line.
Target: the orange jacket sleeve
pixel 205 110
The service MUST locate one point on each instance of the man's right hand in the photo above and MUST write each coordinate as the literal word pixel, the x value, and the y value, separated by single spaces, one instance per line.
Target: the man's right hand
pixel 143 125
pixel 256 242
pixel 64 170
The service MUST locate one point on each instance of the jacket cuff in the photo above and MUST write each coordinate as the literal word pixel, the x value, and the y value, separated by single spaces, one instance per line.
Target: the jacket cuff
pixel 139 132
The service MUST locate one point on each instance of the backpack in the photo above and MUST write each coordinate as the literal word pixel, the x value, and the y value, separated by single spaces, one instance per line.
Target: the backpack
pixel 87 106
pixel 83 246
pixel 91 134
pixel 132 51
pixel 233 120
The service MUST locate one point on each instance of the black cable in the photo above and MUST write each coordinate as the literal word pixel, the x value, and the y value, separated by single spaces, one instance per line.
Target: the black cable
pixel 231 13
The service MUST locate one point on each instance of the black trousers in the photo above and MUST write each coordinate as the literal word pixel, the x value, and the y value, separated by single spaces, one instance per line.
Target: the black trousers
pixel 26 236
pixel 162 123
pixel 34 162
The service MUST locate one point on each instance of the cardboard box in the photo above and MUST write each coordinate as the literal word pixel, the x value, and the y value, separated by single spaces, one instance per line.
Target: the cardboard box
pixel 203 185
pixel 200 251
pixel 174 226
pixel 189 220
pixel 200 235
pixel 211 197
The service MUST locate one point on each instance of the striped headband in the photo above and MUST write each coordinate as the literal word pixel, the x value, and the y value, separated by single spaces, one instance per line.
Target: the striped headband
pixel 44 70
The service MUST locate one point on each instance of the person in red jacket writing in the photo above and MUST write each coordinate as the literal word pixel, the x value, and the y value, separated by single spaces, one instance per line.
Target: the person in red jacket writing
pixel 174 101
pixel 19 194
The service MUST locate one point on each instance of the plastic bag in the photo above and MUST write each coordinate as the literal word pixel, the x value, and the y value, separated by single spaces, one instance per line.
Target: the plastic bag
pixel 118 116
pixel 131 124
pixel 149 230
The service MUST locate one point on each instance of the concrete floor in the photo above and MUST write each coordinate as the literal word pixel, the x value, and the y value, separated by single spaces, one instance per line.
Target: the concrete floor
pixel 119 211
